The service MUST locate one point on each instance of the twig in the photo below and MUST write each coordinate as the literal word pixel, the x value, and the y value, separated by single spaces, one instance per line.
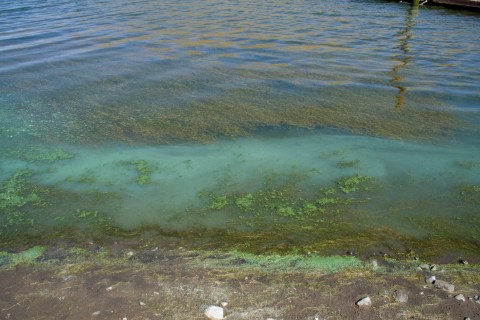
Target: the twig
pixel 13 306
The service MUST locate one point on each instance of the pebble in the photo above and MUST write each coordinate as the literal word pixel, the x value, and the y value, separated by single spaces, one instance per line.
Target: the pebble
pixel 224 304
pixel 400 296
pixel 109 288
pixel 374 264
pixel 214 313
pixel 431 280
pixel 143 304
pixel 440 284
pixel 460 297
pixel 96 313
pixel 424 266
pixel 364 302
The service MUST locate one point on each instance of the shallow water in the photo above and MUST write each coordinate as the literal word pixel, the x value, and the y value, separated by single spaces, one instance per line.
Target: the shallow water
pixel 232 116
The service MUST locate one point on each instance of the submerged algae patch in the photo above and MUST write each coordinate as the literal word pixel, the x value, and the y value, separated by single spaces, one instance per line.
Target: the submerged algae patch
pixel 23 257
pixel 143 170
pixel 470 193
pixel 40 154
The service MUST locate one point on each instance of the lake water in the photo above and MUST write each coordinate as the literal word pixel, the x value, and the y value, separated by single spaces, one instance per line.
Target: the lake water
pixel 312 125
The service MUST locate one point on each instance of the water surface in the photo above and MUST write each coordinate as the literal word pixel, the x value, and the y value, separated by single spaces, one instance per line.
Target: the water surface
pixel 328 121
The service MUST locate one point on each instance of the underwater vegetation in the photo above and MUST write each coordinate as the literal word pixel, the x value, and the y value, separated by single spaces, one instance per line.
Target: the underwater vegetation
pixel 289 201
pixel 143 169
pixel 39 154
pixel 23 257
pixel 227 117
pixel 15 195
pixel 470 193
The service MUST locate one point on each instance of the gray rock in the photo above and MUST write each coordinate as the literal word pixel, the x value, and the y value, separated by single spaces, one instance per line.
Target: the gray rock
pixel 364 302
pixel 400 296
pixel 460 297
pixel 424 266
pixel 440 284
pixel 214 313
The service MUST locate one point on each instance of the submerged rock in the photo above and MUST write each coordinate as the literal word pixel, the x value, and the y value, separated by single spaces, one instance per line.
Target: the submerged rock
pixel 214 313
pixel 364 302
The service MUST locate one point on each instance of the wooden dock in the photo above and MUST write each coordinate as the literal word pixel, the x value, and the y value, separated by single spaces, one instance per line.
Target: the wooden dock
pixel 467 4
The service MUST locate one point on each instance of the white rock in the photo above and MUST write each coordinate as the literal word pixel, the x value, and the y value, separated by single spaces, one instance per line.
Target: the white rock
pixel 214 313
pixel 143 304
pixel 424 266
pixel 364 302
pixel 130 253
pixel 96 313
pixel 224 304
pixel 431 280
pixel 374 264
pixel 460 297
pixel 109 288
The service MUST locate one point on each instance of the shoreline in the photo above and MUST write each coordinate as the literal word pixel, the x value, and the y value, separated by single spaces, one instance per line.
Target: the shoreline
pixel 155 281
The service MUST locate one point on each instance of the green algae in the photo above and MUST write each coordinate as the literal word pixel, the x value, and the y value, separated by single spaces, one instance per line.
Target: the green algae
pixel 24 257
pixel 143 169
pixel 244 202
pixel 15 194
pixel 354 183
pixel 283 263
pixel 217 202
pixel 40 155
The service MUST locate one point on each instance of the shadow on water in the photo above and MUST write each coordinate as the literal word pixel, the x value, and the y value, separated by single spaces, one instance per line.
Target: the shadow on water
pixel 405 56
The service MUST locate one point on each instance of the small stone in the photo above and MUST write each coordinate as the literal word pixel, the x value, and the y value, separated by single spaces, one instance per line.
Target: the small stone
pixel 431 279
pixel 424 266
pixel 400 296
pixel 463 261
pixel 364 302
pixel 143 304
pixel 130 253
pixel 440 284
pixel 374 264
pixel 156 293
pixel 460 297
pixel 109 288
pixel 433 267
pixel 421 293
pixel 224 304
pixel 214 313
pixel 466 318
pixel 96 313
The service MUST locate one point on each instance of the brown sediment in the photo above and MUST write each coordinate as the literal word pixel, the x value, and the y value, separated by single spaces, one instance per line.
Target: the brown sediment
pixel 210 120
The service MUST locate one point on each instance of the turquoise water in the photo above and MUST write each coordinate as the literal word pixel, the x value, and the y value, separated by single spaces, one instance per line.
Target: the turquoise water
pixel 240 117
